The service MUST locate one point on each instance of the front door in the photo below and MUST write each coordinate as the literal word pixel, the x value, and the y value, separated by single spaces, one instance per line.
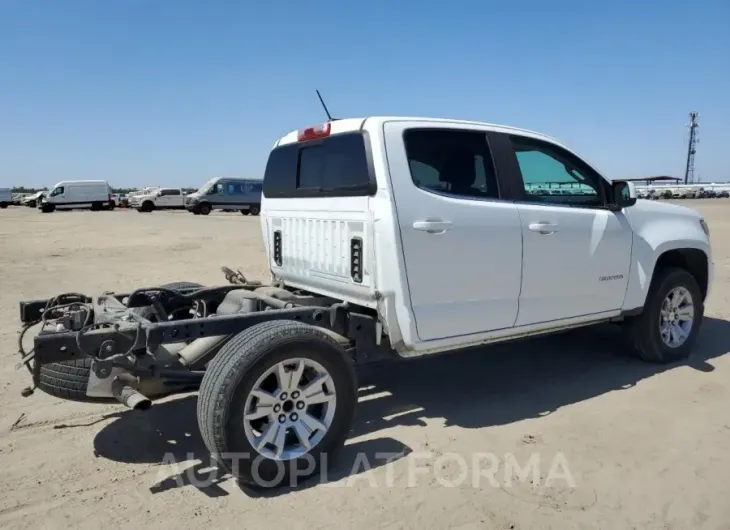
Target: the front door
pixel 462 245
pixel 576 252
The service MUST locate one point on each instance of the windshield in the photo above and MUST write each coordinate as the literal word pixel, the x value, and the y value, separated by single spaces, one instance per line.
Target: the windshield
pixel 206 187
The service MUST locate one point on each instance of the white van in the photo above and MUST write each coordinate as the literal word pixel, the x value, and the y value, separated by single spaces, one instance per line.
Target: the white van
pixel 79 194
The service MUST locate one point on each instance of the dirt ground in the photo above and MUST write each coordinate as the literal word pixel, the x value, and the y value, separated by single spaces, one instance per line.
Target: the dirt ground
pixel 615 443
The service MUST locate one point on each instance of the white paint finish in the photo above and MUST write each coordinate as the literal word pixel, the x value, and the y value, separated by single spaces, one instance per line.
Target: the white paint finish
pixel 462 256
pixel 586 244
pixel 78 194
pixel 562 270
pixel 658 228
pixel 316 235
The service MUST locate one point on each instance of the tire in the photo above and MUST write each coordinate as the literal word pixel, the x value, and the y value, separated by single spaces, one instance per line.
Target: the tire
pixel 244 212
pixel 48 208
pixel 255 209
pixel 204 208
pixel 147 206
pixel 227 385
pixel 3 206
pixel 68 379
pixel 643 331
pixel 196 212
pixel 112 205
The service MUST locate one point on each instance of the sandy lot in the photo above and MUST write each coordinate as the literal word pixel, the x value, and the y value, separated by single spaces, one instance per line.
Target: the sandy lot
pixel 624 444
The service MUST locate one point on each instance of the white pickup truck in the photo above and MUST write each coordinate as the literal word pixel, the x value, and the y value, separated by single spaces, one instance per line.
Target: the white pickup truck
pixel 158 199
pixel 386 238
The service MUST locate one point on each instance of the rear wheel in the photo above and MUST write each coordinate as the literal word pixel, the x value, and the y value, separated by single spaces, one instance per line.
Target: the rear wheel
pixel 276 403
pixel 667 328
pixel 244 212
pixel 255 209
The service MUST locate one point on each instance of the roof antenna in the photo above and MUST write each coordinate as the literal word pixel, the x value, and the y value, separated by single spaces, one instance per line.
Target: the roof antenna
pixel 329 116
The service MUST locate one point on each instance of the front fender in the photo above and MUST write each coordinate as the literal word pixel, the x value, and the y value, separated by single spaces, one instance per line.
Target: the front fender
pixel 654 237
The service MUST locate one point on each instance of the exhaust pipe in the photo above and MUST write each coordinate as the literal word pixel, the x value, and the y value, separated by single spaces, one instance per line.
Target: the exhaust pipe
pixel 128 396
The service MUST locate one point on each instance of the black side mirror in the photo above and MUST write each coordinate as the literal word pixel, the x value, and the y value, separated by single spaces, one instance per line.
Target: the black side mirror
pixel 623 195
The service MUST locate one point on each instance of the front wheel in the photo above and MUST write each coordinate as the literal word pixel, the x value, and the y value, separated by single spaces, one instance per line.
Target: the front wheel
pixel 204 208
pixel 667 328
pixel 244 212
pixel 276 403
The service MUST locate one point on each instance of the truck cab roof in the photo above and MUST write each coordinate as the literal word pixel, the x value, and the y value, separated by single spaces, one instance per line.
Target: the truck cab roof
pixel 371 122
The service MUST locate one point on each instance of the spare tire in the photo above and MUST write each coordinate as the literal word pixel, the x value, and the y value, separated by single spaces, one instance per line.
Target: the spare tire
pixel 68 379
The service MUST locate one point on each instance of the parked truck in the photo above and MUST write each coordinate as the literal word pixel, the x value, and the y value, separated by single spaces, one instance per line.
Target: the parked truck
pixel 386 238
pixel 158 199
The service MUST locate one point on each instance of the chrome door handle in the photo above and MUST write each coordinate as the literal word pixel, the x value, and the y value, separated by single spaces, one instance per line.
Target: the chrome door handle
pixel 543 228
pixel 432 227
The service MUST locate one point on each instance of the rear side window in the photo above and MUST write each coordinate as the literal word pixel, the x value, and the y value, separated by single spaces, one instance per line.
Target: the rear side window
pixel 337 166
pixel 452 162
pixel 254 187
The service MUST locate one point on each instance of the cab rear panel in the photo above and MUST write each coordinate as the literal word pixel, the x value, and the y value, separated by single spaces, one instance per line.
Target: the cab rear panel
pixel 317 219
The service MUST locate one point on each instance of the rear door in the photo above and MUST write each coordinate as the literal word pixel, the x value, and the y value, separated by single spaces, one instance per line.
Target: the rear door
pixel 462 244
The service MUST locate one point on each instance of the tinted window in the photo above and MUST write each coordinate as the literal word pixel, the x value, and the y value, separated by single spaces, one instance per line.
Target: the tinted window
pixel 334 166
pixel 452 162
pixel 551 174
pixel 234 188
pixel 57 191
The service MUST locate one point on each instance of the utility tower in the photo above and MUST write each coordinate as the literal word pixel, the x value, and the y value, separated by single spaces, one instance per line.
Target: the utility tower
pixel 689 172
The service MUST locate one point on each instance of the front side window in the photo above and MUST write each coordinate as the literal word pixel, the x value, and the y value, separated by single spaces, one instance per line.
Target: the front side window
pixel 57 191
pixel 452 162
pixel 553 175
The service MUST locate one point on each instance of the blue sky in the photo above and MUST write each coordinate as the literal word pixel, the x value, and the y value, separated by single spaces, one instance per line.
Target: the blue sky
pixel 175 92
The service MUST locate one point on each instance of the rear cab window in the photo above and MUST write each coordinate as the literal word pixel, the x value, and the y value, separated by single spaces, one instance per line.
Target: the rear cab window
pixel 339 165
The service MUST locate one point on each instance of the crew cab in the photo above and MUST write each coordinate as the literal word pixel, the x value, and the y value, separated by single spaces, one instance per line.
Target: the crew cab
pixel 158 199
pixel 386 237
